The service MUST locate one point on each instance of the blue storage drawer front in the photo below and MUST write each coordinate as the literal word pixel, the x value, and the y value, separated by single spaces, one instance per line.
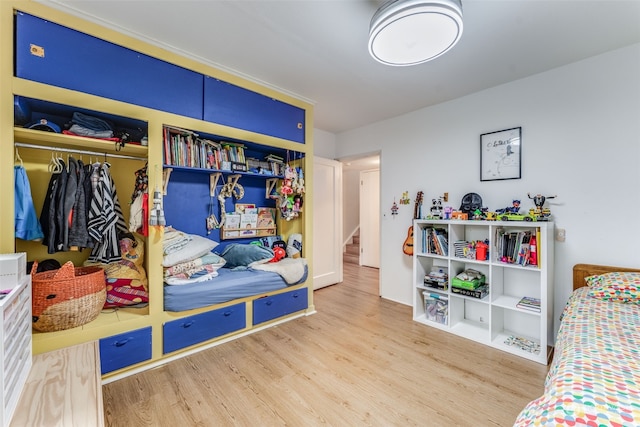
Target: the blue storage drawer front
pixel 129 348
pixel 56 55
pixel 241 108
pixel 268 308
pixel 192 330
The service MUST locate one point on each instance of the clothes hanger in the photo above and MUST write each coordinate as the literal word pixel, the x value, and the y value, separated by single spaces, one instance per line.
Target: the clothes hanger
pixel 52 163
pixel 18 159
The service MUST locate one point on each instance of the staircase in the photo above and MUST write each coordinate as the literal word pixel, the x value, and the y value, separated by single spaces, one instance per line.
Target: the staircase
pixel 352 252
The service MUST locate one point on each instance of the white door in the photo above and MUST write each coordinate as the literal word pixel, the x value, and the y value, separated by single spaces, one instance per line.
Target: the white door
pixel 370 218
pixel 327 222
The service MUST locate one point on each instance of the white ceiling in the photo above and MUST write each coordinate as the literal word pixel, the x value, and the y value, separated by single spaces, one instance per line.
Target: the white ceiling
pixel 317 49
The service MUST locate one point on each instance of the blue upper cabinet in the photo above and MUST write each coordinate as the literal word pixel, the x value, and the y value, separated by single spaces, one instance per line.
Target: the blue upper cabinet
pixel 241 108
pixel 56 55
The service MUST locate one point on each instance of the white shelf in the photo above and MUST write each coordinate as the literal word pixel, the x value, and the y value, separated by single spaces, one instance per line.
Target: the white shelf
pixel 492 319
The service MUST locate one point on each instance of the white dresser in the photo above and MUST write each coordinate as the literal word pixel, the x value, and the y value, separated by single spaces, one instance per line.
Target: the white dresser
pixel 15 351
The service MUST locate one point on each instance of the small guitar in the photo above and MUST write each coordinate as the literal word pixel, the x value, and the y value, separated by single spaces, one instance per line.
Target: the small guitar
pixel 407 247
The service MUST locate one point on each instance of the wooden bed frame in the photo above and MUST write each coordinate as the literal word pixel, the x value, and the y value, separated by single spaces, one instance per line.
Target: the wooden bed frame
pixel 581 271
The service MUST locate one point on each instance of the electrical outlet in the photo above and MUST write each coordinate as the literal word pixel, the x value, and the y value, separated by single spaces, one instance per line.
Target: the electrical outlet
pixel 561 234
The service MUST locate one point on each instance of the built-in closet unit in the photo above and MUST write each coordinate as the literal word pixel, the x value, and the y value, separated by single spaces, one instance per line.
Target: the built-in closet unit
pixel 57 64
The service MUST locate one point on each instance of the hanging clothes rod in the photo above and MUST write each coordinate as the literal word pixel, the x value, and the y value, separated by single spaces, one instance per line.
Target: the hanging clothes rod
pixel 73 150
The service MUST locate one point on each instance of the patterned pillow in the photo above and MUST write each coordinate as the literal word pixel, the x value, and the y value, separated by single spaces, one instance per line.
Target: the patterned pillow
pixel 616 286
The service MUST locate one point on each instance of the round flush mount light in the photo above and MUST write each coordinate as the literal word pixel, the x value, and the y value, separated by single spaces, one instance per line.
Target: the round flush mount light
pixel 410 32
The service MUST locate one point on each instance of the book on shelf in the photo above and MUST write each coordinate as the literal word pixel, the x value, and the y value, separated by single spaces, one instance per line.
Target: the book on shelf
pixel 437 278
pixel 248 221
pixel 529 303
pixel 516 247
pixel 231 226
pixel 435 241
pixel 266 217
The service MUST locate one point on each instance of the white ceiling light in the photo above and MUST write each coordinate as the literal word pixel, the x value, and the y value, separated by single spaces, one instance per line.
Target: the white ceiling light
pixel 410 32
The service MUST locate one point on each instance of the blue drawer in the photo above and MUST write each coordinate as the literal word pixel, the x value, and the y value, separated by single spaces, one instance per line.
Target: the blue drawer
pixel 192 330
pixel 60 56
pixel 268 308
pixel 129 348
pixel 241 108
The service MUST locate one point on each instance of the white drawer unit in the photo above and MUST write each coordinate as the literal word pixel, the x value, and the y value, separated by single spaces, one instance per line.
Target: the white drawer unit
pixel 15 351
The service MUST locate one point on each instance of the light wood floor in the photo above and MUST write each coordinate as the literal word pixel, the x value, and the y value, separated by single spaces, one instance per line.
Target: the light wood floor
pixel 359 361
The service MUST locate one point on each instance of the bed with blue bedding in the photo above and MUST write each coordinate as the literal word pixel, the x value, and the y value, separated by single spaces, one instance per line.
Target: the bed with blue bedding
pixel 196 277
pixel 230 284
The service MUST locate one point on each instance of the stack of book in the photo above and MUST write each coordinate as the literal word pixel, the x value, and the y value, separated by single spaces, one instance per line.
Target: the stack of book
pixel 437 278
pixel 529 303
pixel 518 247
pixel 186 148
pixel 277 164
pixel 435 241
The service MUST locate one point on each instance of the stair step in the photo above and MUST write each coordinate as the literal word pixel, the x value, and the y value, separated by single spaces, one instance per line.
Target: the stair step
pixel 353 249
pixel 356 239
pixel 351 258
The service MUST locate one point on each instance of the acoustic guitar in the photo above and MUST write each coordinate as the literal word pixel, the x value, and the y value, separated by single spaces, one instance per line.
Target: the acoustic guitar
pixel 407 246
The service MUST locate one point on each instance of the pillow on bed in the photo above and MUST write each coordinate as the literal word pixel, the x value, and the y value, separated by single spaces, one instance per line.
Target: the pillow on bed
pixel 240 255
pixel 197 247
pixel 616 286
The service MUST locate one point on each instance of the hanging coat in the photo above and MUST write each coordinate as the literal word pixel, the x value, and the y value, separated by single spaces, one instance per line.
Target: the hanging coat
pixel 105 219
pixel 78 234
pixel 51 220
pixel 26 222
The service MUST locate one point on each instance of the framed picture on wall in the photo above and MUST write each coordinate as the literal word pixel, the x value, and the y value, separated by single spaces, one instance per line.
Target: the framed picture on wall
pixel 501 155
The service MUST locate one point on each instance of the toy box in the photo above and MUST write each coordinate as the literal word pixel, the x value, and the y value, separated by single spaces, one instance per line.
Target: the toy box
pixel 436 307
pixel 468 279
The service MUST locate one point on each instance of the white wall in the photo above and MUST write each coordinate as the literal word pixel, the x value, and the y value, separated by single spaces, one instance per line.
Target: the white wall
pixel 580 135
pixel 324 144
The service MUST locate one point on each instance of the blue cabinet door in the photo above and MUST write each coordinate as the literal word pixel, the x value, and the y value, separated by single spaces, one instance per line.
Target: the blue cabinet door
pixel 122 350
pixel 272 307
pixel 192 330
pixel 50 53
pixel 241 108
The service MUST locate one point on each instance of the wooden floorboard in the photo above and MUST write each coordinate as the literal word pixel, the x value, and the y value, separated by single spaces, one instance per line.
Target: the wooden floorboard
pixel 360 360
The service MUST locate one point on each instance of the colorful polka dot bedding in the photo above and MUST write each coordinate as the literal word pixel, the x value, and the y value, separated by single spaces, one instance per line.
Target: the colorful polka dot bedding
pixel 617 286
pixel 594 379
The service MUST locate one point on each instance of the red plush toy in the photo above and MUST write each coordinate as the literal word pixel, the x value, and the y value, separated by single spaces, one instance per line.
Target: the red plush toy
pixel 278 254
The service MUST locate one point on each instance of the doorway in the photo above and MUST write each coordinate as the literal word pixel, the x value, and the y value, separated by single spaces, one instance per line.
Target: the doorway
pixel 356 201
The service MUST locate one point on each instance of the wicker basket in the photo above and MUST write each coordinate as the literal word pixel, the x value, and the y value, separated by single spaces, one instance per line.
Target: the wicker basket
pixel 67 297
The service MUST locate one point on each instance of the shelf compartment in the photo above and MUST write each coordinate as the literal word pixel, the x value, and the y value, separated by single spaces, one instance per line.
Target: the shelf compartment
pixel 499 343
pixel 515 323
pixel 436 307
pixel 510 285
pixel 469 318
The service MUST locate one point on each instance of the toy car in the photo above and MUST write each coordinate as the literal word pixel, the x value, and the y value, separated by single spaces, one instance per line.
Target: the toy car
pixel 508 216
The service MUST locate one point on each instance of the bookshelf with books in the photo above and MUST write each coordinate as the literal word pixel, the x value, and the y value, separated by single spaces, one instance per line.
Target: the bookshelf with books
pixel 209 170
pixel 190 149
pixel 513 309
pixel 249 223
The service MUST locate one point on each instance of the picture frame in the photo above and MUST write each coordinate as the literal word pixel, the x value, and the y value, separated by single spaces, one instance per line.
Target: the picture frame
pixel 501 155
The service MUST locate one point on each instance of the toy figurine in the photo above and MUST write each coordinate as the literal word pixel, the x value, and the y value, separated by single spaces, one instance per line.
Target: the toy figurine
pixel 394 208
pixel 514 208
pixel 436 208
pixel 470 202
pixel 540 212
pixel 448 210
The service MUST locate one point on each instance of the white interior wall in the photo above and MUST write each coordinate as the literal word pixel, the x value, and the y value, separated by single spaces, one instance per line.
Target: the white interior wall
pixel 580 135
pixel 324 144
